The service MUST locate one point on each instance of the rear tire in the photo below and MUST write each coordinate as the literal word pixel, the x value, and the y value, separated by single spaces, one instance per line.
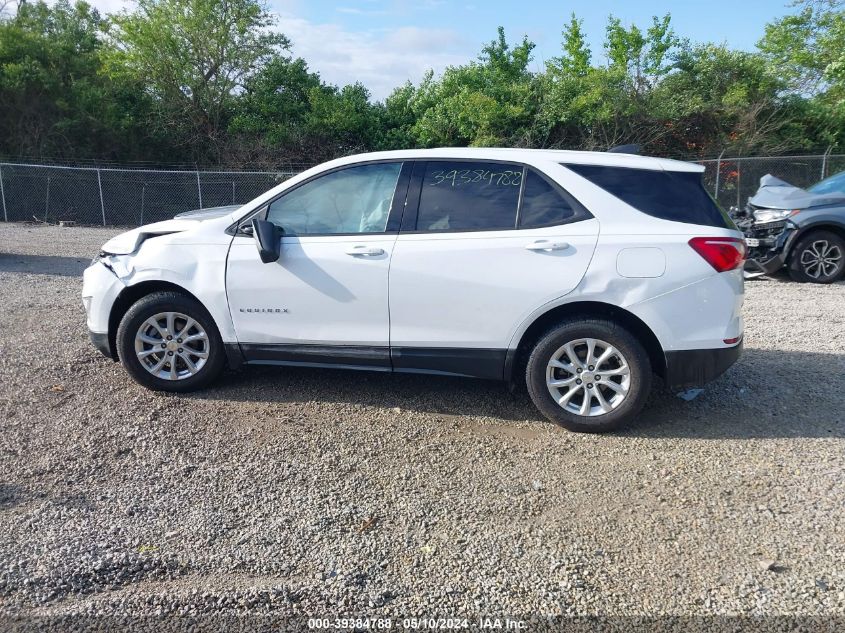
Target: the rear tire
pixel 589 376
pixel 818 257
pixel 168 341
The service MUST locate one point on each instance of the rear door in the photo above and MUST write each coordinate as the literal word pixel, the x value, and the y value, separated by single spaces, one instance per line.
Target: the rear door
pixel 482 245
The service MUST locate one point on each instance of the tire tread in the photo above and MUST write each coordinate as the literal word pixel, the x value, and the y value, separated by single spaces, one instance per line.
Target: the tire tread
pixel 161 301
pixel 598 328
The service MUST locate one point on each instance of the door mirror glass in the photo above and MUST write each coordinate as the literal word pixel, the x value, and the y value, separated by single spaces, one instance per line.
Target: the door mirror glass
pixel 268 240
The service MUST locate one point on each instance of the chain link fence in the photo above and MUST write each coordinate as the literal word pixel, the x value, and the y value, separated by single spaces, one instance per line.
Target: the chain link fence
pixel 733 180
pixel 121 197
pixel 132 197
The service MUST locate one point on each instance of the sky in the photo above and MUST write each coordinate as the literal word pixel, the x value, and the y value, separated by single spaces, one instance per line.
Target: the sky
pixel 383 43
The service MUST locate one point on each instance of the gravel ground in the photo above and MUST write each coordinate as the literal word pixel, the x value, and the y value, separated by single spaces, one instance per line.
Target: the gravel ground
pixel 323 493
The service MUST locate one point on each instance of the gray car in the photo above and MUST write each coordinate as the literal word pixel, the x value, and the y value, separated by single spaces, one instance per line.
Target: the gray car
pixel 802 229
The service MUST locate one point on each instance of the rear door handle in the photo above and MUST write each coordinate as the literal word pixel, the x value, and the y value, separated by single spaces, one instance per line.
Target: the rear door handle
pixel 364 251
pixel 545 245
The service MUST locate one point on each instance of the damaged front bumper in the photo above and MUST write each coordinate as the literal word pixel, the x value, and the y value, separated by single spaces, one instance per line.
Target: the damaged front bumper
pixel 100 289
pixel 768 246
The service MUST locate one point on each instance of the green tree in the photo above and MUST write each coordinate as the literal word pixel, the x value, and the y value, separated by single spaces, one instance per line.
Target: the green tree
pixel 721 99
pixel 56 102
pixel 808 50
pixel 194 55
pixel 576 58
pixel 342 121
pixel 597 107
pixel 398 116
pixel 642 57
pixel 287 113
pixel 491 101
pixel 271 116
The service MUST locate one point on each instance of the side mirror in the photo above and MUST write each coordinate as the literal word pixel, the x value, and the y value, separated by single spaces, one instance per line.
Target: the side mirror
pixel 267 239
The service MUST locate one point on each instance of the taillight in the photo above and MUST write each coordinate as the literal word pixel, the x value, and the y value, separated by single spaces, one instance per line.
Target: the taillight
pixel 722 253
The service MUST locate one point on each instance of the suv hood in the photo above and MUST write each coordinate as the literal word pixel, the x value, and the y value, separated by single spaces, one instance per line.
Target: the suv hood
pixel 208 213
pixel 129 242
pixel 775 193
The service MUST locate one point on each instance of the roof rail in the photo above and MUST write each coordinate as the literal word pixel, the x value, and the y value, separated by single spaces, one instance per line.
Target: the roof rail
pixel 625 149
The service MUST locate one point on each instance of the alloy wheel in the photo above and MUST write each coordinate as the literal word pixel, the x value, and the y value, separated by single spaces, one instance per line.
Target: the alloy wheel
pixel 172 346
pixel 821 258
pixel 588 377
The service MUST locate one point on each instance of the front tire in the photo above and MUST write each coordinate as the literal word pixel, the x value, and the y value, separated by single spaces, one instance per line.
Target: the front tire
pixel 589 376
pixel 818 257
pixel 168 341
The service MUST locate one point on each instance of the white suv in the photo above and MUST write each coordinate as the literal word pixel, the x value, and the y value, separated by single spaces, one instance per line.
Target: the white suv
pixel 581 273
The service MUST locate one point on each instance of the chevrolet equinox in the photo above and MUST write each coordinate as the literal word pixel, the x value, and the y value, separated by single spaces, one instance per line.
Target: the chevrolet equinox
pixel 581 273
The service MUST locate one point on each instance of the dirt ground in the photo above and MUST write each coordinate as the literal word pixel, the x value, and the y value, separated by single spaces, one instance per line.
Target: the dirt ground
pixel 301 492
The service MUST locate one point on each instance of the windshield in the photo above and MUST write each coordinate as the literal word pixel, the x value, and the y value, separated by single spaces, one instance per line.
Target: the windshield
pixel 834 184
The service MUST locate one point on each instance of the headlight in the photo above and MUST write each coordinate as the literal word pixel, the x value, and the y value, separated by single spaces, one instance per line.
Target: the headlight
pixel 762 216
pixel 120 265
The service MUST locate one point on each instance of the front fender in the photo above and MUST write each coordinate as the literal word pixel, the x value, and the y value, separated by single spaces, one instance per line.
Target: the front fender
pixel 823 220
pixel 198 269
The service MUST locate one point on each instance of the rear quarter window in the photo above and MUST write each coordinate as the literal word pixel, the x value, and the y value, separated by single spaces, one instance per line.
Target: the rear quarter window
pixel 668 195
pixel 545 205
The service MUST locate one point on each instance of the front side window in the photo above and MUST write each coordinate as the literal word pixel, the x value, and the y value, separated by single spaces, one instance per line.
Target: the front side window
pixel 468 196
pixel 352 200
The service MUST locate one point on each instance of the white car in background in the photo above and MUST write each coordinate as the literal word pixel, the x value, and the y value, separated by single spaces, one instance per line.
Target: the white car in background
pixel 580 273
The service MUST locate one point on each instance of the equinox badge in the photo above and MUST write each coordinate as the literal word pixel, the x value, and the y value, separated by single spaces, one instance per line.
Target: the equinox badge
pixel 268 310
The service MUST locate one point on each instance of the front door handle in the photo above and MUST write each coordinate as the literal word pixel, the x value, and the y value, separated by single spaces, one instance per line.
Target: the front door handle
pixel 545 245
pixel 364 251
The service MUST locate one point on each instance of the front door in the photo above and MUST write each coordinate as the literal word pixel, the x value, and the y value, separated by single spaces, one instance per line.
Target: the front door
pixel 325 299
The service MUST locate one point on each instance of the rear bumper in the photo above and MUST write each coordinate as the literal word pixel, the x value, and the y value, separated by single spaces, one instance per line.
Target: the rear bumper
pixel 696 367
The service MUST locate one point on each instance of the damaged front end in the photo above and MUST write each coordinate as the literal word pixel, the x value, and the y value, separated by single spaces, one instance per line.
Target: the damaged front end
pixel 768 235
pixel 772 217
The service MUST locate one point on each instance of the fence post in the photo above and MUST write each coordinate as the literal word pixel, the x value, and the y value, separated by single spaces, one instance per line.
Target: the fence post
pixel 47 202
pixel 718 173
pixel 3 196
pixel 824 161
pixel 738 180
pixel 143 191
pixel 199 188
pixel 233 192
pixel 102 204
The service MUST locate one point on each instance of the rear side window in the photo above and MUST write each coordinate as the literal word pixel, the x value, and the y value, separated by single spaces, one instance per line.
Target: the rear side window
pixel 468 196
pixel 668 195
pixel 543 204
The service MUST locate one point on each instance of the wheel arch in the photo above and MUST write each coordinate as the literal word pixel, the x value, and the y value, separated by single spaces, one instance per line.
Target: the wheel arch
pixel 130 294
pixel 518 356
pixel 804 231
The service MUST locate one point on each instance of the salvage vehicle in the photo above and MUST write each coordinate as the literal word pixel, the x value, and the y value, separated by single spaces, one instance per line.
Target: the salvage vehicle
pixel 581 274
pixel 803 230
